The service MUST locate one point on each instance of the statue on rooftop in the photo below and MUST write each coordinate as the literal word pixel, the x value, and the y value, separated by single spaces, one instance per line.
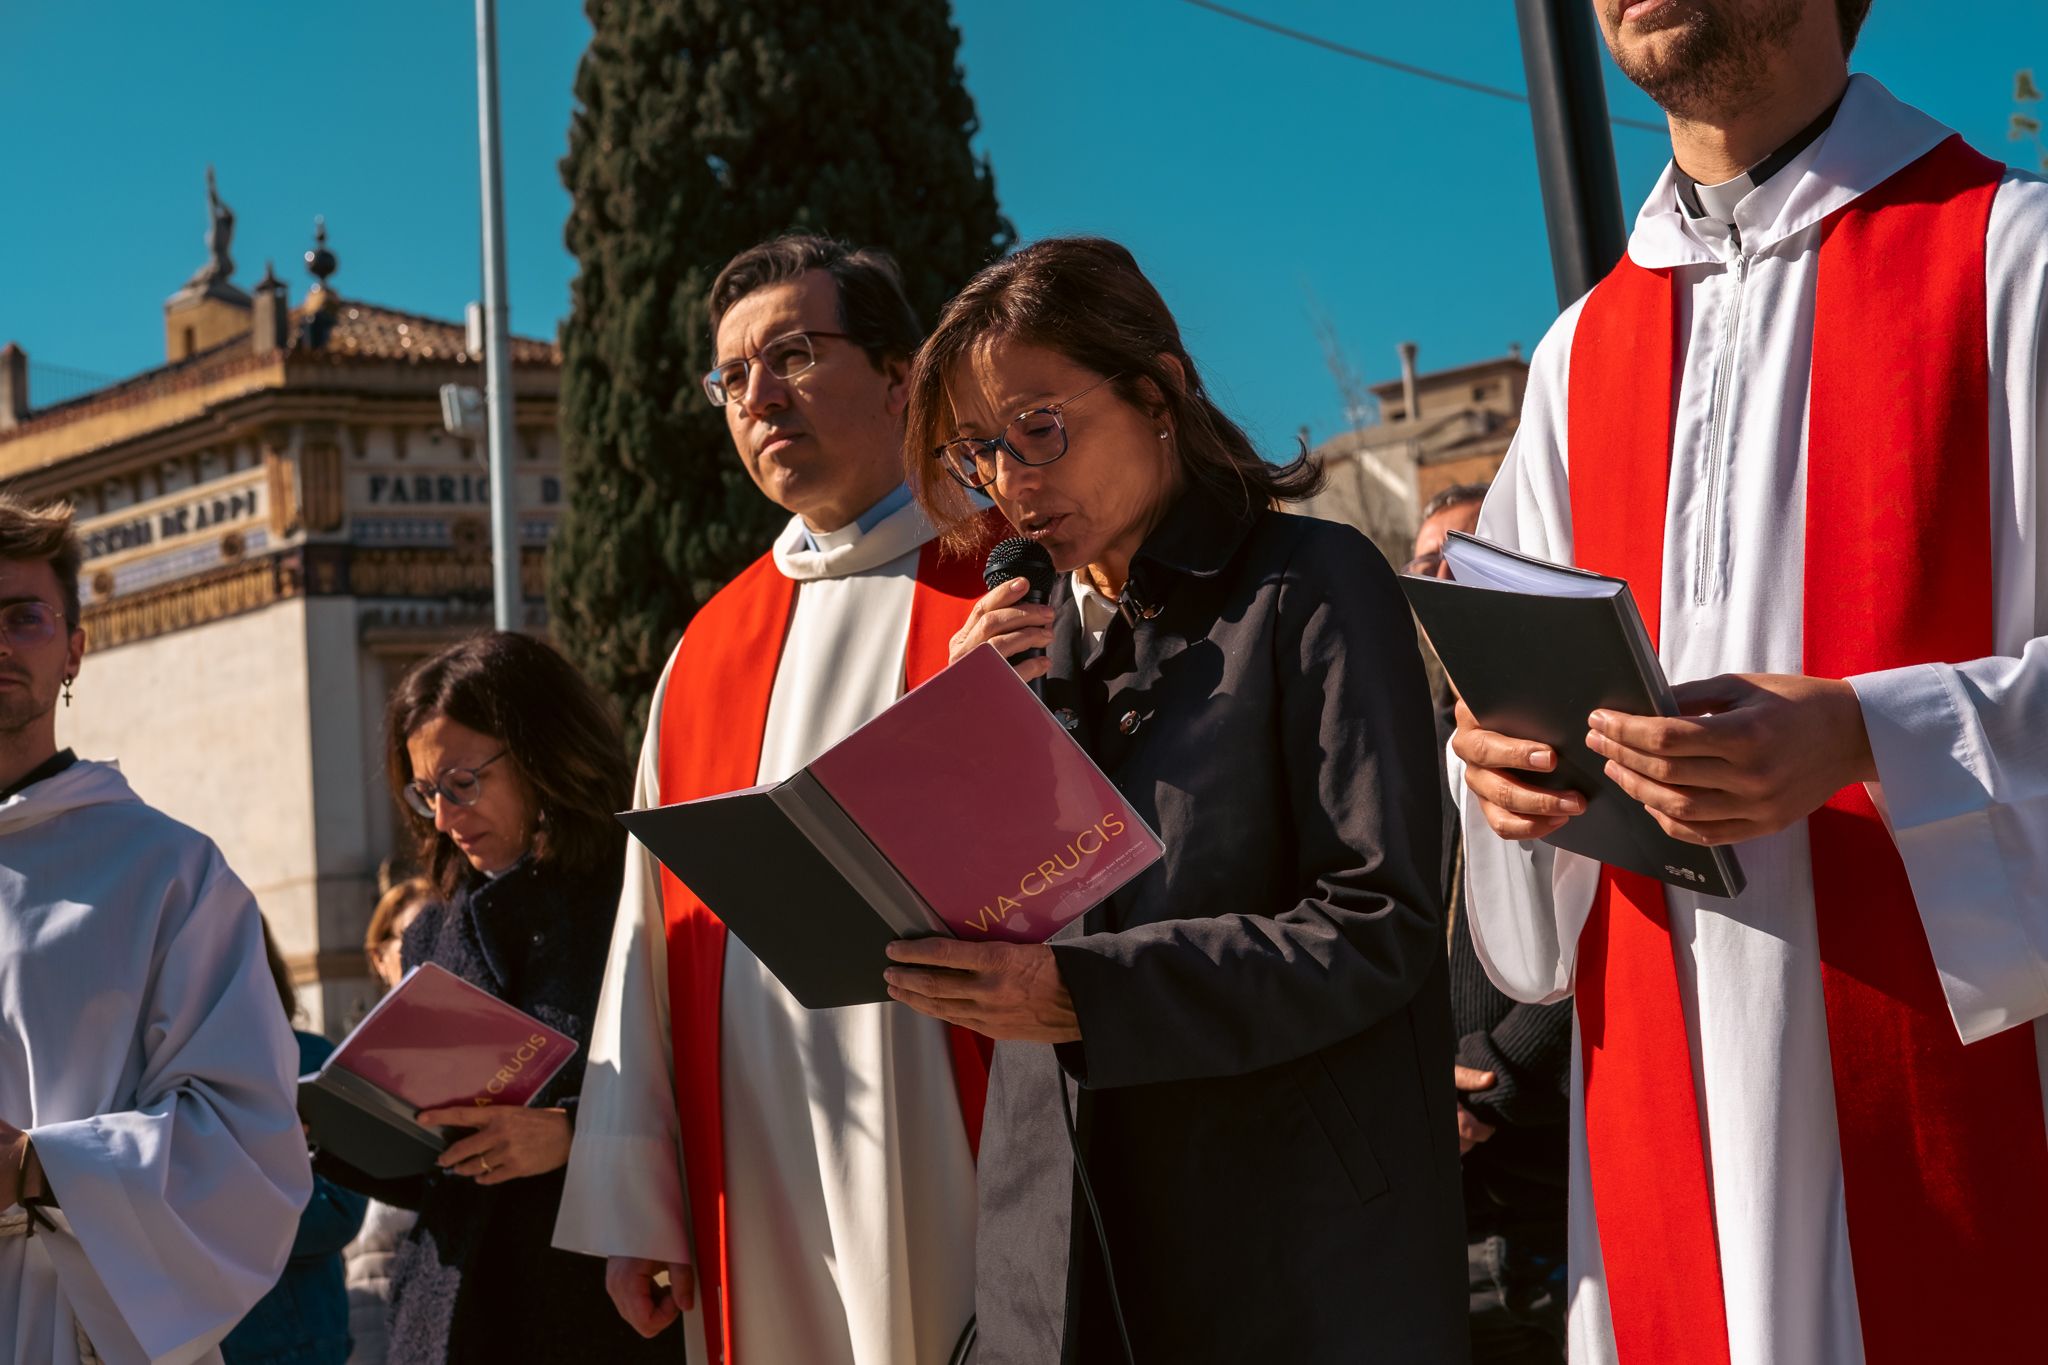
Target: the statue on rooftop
pixel 220 234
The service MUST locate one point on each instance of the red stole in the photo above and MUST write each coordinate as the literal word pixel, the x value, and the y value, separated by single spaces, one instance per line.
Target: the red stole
pixel 1944 1154
pixel 712 719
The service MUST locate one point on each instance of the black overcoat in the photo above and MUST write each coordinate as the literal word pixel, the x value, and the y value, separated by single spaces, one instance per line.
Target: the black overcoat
pixel 1263 1086
pixel 477 1279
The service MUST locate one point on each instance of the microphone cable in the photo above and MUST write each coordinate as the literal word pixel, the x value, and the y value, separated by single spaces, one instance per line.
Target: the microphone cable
pixel 1116 1305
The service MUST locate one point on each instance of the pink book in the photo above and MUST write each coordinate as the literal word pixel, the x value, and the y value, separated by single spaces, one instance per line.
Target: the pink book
pixel 434 1041
pixel 999 821
pixel 964 809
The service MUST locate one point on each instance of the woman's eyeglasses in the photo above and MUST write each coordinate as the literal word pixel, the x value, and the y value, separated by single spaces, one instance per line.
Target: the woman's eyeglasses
pixel 785 357
pixel 460 785
pixel 24 625
pixel 1037 437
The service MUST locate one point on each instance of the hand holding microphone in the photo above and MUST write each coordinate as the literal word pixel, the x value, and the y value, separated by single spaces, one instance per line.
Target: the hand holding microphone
pixel 1013 616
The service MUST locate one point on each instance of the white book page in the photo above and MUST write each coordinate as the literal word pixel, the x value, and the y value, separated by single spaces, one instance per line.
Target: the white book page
pixel 1481 564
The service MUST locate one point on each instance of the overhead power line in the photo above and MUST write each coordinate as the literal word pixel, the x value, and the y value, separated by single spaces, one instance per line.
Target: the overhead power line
pixel 1406 68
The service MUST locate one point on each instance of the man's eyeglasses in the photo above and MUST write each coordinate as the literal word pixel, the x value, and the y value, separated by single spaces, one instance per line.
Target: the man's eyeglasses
pixel 1037 437
pixel 785 357
pixel 1425 565
pixel 460 785
pixel 24 625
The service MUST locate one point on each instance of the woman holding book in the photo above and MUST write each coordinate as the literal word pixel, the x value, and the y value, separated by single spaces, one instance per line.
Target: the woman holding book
pixel 509 768
pixel 1255 1033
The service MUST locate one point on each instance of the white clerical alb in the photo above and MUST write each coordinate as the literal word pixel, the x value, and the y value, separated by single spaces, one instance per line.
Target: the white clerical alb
pixel 1964 773
pixel 143 1048
pixel 849 1181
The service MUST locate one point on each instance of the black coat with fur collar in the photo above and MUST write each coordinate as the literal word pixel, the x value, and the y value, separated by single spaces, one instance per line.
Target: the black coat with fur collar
pixel 477 1279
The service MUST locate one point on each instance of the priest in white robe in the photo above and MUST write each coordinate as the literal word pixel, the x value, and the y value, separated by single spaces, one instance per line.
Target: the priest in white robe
pixel 152 1166
pixel 805 1179
pixel 1752 235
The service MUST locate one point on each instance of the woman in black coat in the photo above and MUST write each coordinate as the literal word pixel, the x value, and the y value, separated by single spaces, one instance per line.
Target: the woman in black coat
pixel 510 767
pixel 1254 1034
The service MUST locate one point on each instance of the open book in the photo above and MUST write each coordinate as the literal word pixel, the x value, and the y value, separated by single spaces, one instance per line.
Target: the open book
pixel 435 1040
pixel 964 809
pixel 1534 648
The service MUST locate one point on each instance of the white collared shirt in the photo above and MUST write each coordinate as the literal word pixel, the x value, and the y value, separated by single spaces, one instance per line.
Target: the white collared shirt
pixel 1097 609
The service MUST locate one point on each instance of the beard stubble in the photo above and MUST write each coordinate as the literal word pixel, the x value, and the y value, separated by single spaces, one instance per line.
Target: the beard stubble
pixel 1719 58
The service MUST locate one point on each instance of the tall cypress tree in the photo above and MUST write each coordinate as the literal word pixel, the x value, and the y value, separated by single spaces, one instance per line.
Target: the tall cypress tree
pixel 702 127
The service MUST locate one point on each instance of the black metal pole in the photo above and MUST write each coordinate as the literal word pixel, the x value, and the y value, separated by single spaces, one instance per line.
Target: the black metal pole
pixel 1574 145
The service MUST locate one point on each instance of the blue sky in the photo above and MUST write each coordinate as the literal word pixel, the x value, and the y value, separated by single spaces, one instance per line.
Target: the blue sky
pixel 1249 173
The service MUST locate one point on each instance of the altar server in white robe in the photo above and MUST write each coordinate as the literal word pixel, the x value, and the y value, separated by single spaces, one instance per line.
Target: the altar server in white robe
pixel 1805 417
pixel 804 1178
pixel 152 1167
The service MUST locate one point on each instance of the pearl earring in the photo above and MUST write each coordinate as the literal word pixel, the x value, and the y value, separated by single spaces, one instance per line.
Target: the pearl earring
pixel 1162 433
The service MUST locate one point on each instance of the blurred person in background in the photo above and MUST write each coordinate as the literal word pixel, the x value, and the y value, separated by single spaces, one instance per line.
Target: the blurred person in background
pixel 394 913
pixel 1513 1077
pixel 304 1319
pixel 366 1261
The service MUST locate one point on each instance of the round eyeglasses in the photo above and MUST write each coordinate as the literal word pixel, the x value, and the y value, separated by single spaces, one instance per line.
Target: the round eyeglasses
pixel 460 785
pixel 1037 437
pixel 785 357
pixel 24 625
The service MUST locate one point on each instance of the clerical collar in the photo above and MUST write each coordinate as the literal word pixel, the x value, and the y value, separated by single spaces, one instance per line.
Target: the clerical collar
pixel 1718 201
pixel 48 768
pixel 895 501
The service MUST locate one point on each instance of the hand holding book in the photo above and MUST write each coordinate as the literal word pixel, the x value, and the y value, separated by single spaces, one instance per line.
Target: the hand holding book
pixel 1536 651
pixel 439 1053
pixel 1748 755
pixel 888 835
pixel 1513 808
pixel 1010 992
pixel 507 1143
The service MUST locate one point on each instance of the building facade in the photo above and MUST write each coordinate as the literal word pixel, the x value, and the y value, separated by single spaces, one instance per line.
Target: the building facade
pixel 1435 430
pixel 276 525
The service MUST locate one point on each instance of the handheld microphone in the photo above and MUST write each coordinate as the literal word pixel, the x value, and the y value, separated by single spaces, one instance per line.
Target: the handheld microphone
pixel 1026 559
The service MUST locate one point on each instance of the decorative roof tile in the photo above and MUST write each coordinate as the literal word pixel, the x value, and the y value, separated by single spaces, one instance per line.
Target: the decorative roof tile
pixel 368 331
pixel 361 333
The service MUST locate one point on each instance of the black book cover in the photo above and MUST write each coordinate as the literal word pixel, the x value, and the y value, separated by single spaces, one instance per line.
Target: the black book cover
pixel 821 938
pixel 1535 665
pixel 369 1129
pixel 434 1041
pixel 963 809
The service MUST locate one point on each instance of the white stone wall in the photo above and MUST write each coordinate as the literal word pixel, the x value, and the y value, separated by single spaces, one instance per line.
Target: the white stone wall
pixel 212 726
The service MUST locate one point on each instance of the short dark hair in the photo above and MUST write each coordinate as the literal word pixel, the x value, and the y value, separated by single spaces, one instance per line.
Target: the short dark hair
pixel 556 730
pixel 1850 14
pixel 42 532
pixel 1086 299
pixel 1457 495
pixel 874 312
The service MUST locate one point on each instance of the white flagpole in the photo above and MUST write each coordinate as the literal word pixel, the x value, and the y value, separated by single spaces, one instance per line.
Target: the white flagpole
pixel 507 600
